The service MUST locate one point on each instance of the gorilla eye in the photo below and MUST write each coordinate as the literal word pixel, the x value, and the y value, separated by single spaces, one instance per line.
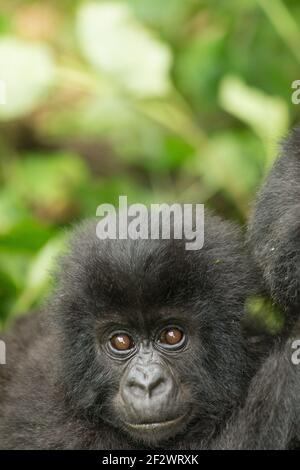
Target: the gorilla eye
pixel 171 337
pixel 121 342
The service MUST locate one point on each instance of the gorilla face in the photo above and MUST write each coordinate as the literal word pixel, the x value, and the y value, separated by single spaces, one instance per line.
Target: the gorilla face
pixel 151 338
pixel 153 401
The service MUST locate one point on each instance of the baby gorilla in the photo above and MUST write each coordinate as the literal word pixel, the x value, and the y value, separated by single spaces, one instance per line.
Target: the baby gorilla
pixel 142 345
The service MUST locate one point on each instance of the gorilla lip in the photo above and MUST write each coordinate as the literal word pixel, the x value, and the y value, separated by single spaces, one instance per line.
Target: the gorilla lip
pixel 153 426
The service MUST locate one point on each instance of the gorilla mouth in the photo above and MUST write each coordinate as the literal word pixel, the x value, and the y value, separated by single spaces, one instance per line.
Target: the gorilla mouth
pixel 155 430
pixel 160 424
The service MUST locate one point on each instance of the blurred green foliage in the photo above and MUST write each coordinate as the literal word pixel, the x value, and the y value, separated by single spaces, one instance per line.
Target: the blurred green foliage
pixel 263 316
pixel 163 101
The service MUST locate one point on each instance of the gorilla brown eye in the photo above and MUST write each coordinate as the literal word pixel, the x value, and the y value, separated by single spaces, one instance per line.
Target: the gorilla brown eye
pixel 121 342
pixel 171 337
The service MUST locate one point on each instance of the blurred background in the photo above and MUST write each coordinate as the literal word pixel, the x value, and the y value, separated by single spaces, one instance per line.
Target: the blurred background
pixel 174 100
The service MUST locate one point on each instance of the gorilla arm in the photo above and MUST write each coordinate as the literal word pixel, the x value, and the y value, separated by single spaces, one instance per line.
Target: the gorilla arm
pixel 270 418
pixel 274 232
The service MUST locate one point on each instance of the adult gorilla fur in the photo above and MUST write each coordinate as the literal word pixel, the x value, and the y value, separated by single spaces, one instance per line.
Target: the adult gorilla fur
pixel 60 390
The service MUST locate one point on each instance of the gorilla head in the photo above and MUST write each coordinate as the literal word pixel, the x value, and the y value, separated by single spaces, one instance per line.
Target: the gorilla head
pixel 150 334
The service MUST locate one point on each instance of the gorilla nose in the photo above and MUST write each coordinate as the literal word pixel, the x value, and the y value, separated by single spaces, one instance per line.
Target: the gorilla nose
pixel 148 382
pixel 149 393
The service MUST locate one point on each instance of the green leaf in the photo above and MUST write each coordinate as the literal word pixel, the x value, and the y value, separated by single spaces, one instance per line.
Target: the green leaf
pixel 27 71
pixel 267 115
pixel 199 68
pixel 48 180
pixel 12 210
pixel 227 163
pixel 26 236
pixel 38 277
pixel 170 17
pixel 114 42
pixel 8 293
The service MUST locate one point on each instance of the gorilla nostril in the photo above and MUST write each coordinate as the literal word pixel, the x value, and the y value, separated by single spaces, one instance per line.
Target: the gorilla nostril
pixel 136 387
pixel 157 386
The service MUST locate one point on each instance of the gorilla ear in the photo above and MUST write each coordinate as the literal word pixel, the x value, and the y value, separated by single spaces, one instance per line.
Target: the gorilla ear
pixel 262 317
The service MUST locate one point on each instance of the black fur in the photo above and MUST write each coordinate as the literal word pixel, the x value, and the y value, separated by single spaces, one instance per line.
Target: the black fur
pixel 271 416
pixel 58 388
pixel 61 390
pixel 275 227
